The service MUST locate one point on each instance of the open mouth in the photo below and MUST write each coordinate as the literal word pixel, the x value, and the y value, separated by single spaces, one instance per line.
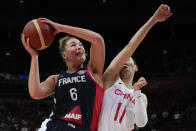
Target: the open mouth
pixel 80 53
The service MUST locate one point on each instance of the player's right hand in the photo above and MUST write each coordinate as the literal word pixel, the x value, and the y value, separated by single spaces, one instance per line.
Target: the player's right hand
pixel 26 45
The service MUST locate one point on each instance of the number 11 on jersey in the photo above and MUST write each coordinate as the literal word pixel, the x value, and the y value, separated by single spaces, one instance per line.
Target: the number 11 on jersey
pixel 117 112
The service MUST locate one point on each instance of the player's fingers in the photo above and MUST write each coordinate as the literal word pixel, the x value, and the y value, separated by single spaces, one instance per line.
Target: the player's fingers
pixel 28 42
pixel 169 14
pixel 142 82
pixel 42 18
pixel 166 16
pixel 141 79
pixel 139 85
pixel 23 40
pixel 168 8
pixel 164 8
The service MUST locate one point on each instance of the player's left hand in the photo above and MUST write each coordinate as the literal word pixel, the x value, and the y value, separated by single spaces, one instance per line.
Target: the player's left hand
pixel 51 23
pixel 140 83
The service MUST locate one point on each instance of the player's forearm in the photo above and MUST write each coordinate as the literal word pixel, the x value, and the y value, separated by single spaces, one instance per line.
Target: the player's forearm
pixel 85 34
pixel 141 117
pixel 34 79
pixel 140 35
pixel 129 49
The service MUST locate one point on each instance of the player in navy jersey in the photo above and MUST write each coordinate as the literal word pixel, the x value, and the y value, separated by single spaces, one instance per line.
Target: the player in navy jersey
pixel 124 106
pixel 77 91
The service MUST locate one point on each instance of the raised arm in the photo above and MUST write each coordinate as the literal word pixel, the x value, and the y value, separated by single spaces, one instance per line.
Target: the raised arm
pixel 36 89
pixel 112 72
pixel 97 50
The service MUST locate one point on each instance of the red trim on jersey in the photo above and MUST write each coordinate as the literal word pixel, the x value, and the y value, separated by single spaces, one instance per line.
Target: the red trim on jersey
pixel 92 78
pixel 97 104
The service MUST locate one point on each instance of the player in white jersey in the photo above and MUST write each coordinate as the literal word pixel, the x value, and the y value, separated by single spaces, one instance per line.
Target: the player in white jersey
pixel 123 104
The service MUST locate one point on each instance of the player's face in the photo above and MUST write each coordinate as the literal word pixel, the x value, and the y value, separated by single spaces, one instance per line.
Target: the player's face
pixel 128 69
pixel 75 52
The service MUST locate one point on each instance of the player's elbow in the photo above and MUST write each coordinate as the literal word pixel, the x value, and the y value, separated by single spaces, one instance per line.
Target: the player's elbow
pixel 34 96
pixel 99 39
pixel 142 123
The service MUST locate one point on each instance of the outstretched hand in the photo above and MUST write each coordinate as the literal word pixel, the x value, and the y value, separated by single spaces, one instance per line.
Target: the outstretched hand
pixel 26 45
pixel 140 83
pixel 162 13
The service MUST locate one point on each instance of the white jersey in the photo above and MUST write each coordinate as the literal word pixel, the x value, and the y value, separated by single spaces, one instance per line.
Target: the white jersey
pixel 117 113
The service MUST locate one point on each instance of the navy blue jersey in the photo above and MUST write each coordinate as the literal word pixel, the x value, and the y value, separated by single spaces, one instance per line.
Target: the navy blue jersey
pixel 78 99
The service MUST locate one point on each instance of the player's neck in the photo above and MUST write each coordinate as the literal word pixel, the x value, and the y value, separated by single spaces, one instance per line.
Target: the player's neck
pixel 128 83
pixel 73 68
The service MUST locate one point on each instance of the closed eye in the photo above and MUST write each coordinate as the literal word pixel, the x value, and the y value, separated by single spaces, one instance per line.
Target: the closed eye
pixel 80 44
pixel 125 65
pixel 73 45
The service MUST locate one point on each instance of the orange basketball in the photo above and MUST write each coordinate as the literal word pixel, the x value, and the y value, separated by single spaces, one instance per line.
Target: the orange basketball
pixel 40 35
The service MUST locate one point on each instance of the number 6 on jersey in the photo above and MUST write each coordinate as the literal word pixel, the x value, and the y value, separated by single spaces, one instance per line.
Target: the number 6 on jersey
pixel 73 93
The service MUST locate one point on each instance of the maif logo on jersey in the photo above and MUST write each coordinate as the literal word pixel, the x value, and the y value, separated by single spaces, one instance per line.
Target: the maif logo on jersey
pixel 74 115
pixel 81 72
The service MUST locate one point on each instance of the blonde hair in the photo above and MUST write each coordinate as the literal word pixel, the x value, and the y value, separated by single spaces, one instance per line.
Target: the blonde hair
pixel 62 45
pixel 63 42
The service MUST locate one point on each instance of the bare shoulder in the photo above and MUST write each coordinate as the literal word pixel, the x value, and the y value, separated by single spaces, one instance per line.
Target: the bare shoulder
pixel 97 76
pixel 53 78
pixel 109 78
pixel 145 99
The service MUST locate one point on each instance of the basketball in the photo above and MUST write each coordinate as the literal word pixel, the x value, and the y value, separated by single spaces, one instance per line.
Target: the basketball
pixel 40 34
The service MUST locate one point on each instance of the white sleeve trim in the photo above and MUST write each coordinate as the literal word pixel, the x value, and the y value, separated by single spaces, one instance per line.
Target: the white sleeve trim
pixel 141 117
